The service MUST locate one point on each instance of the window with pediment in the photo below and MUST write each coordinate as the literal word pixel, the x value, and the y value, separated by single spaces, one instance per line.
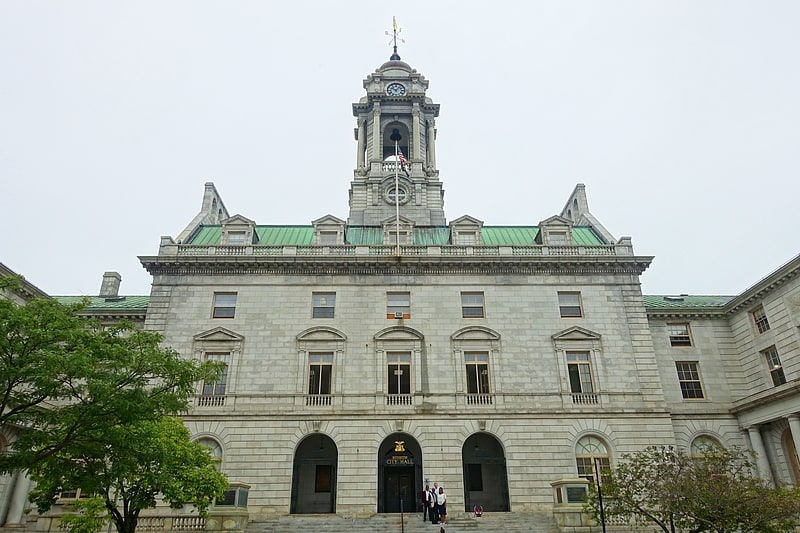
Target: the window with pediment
pixel 478 348
pixel 320 352
pixel 580 350
pixel 400 348
pixel 223 347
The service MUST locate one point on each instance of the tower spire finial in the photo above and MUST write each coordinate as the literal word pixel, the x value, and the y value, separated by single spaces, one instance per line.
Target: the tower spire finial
pixel 395 31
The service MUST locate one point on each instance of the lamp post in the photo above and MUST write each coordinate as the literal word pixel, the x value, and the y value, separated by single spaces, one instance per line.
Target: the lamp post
pixel 599 493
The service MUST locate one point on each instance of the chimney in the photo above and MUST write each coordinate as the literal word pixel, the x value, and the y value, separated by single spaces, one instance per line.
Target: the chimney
pixel 110 286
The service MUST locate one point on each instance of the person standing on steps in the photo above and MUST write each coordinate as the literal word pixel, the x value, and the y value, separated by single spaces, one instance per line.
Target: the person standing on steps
pixel 433 508
pixel 425 500
pixel 441 505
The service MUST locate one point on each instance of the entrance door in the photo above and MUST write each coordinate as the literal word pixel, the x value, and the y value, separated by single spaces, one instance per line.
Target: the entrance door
pixel 399 490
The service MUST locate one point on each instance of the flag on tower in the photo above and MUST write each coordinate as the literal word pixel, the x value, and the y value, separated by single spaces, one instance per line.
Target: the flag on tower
pixel 403 161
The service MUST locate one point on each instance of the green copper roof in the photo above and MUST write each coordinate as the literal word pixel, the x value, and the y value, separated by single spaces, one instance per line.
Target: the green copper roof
pixel 685 301
pixel 99 303
pixel 373 235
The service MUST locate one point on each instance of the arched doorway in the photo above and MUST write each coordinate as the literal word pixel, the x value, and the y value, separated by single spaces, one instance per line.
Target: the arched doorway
pixel 399 474
pixel 485 478
pixel 314 476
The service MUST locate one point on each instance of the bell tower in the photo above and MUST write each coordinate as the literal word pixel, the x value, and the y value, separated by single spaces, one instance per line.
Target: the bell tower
pixel 396 117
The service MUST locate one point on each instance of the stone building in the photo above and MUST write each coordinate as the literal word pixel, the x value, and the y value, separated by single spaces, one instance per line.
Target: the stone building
pixel 366 357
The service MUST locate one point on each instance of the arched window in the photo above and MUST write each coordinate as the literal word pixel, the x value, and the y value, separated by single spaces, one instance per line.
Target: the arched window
pixel 701 443
pixel 214 447
pixel 591 451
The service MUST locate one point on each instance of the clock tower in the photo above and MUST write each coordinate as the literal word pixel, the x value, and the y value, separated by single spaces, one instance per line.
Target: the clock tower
pixel 395 117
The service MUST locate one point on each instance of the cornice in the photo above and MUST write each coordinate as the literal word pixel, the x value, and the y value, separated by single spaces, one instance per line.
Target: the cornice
pixel 393 265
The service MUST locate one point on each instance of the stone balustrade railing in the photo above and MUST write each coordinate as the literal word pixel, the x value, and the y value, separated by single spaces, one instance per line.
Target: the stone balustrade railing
pixel 170 248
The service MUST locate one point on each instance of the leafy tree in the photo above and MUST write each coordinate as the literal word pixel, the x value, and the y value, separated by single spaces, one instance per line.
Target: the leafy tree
pixel 126 468
pixel 64 377
pixel 716 491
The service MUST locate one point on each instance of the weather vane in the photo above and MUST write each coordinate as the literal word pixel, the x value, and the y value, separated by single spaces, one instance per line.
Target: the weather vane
pixel 395 38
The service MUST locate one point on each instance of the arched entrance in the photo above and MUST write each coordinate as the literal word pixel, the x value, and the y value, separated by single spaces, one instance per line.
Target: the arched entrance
pixel 314 476
pixel 485 479
pixel 399 474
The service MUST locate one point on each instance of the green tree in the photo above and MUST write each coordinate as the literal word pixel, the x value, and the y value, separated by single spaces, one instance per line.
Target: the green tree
pixel 717 490
pixel 127 468
pixel 64 377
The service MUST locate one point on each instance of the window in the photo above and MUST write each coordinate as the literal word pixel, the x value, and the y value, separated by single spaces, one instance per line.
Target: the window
pixel 588 452
pixel 557 238
pixel 702 444
pixel 393 236
pixel 398 305
pixel 466 238
pixel 320 365
pixel 237 237
pixel 760 319
pixel 214 447
pixel 399 367
pixel 689 379
pixel 580 372
pixel 328 238
pixel 322 478
pixel 472 304
pixel 477 372
pixel 224 305
pixel 569 304
pixel 213 392
pixel 679 335
pixel 774 365
pixel 324 303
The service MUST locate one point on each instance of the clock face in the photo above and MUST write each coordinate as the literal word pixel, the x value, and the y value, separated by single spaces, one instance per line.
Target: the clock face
pixel 395 89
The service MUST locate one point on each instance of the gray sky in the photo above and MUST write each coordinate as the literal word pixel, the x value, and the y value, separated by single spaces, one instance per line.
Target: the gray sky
pixel 681 117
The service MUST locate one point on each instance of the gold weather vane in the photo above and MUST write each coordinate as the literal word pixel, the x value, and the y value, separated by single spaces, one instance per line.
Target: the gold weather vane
pixel 395 32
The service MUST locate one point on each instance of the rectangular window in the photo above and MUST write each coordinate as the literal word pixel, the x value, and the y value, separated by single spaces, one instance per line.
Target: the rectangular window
pixel 557 238
pixel 322 478
pixel 236 237
pixel 393 237
pixel 217 387
pixel 760 319
pixel 477 372
pixel 398 305
pixel 472 304
pixel 324 304
pixel 569 304
pixel 466 238
pixel 679 335
pixel 475 477
pixel 224 305
pixel 580 372
pixel 320 367
pixel 328 238
pixel 774 365
pixel 689 379
pixel 399 372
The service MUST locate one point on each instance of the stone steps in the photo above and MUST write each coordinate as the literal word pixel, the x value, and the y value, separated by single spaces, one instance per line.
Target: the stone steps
pixel 391 523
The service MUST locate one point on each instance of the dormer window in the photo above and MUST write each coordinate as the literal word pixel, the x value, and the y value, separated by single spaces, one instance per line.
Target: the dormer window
pixel 557 238
pixel 236 237
pixel 466 238
pixel 328 238
pixel 328 231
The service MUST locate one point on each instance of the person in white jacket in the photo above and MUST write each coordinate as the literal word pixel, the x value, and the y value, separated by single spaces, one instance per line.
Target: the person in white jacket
pixel 441 504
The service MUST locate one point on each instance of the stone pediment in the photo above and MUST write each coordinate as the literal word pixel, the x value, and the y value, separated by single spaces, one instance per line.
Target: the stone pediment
pixel 238 220
pixel 393 220
pixel 328 220
pixel 556 220
pixel 219 334
pixel 475 333
pixel 576 333
pixel 466 220
pixel 398 333
pixel 321 333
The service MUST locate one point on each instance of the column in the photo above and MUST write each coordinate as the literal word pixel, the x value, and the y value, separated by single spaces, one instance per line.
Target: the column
pixel 794 425
pixel 416 147
pixel 361 141
pixel 376 154
pixel 761 459
pixel 19 495
pixel 431 138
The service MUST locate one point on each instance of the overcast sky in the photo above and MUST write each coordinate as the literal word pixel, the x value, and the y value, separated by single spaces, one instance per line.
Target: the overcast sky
pixel 681 117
